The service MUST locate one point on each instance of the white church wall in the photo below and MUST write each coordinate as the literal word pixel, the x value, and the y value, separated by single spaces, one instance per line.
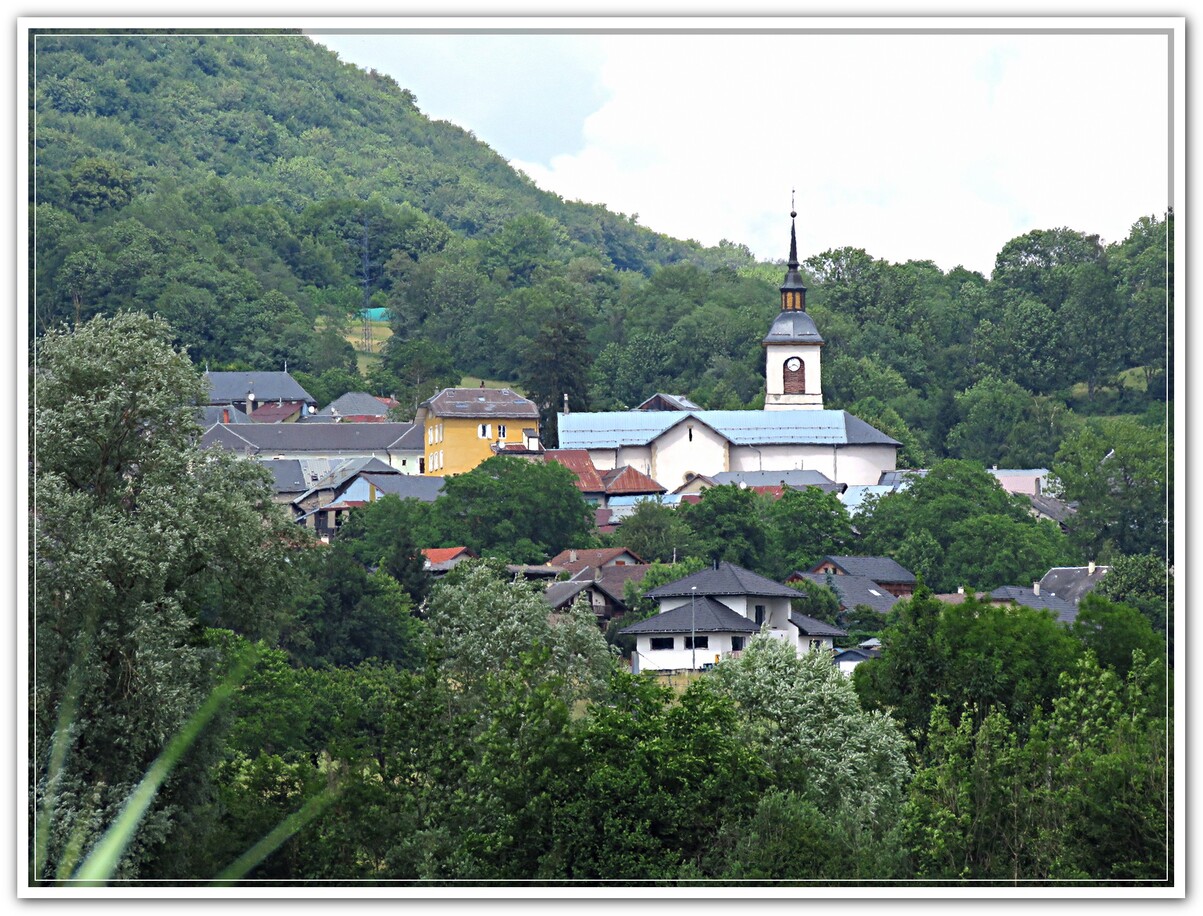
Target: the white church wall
pixel 690 447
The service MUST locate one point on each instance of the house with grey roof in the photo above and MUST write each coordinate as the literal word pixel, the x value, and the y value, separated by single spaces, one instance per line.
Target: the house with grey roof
pixel 661 401
pixel 396 444
pixel 793 432
pixel 1065 611
pixel 886 571
pixel 710 614
pixel 352 407
pixel 212 414
pixel 1072 583
pixel 249 390
pixel 846 660
pixel 852 591
pixel 362 488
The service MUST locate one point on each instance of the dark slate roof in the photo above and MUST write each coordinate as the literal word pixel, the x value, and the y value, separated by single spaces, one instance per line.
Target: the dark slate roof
pixel 343 471
pixel 320 438
pixel 1071 583
pixel 1053 508
pixel 287 475
pixel 899 477
pixel 793 327
pixel 422 487
pixel 811 627
pixel 1066 611
pixel 796 479
pixel 217 413
pixel 225 387
pixel 661 401
pixel 500 403
pixel 853 655
pixel 705 616
pixel 562 594
pixel 353 404
pixel 728 579
pixel 879 569
pixel 854 590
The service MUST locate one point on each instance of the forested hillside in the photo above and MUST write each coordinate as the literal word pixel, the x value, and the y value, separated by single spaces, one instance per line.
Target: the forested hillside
pixel 256 193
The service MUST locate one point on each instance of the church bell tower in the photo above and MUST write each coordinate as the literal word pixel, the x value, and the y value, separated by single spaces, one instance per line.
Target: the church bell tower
pixel 792 348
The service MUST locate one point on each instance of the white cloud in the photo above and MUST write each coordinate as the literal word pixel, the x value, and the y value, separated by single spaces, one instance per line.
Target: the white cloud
pixel 910 146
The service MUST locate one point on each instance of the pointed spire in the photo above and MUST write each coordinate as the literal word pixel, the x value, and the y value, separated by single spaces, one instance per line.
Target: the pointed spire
pixel 793 236
pixel 793 293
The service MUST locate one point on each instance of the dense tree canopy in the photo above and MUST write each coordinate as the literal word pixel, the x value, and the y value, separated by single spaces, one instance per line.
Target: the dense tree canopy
pixel 128 571
pixel 956 527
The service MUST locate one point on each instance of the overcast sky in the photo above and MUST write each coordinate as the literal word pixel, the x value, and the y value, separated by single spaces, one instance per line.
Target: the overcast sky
pixel 939 147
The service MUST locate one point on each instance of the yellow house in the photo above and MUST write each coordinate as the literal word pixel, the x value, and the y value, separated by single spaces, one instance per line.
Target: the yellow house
pixel 462 425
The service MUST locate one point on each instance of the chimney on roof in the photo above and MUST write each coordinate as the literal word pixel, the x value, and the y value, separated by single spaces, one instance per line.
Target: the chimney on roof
pixel 572 556
pixel 250 403
pixel 1036 589
pixel 225 415
pixel 1090 568
pixel 565 402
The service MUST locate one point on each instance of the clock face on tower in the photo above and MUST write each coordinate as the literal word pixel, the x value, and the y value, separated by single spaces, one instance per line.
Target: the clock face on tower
pixel 793 363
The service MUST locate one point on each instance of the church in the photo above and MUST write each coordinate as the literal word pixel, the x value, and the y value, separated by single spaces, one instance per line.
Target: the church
pixel 793 431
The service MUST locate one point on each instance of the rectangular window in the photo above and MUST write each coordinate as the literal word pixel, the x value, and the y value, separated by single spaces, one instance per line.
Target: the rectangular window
pixel 430 436
pixel 662 642
pixel 737 643
pixel 485 430
pixel 500 430
pixel 760 615
pixel 816 645
pixel 697 642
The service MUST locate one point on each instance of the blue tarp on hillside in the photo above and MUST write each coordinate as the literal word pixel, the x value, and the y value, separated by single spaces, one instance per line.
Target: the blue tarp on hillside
pixel 380 314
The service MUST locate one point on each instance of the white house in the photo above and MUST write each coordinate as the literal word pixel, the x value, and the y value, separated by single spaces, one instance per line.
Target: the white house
pixel 710 614
pixel 794 432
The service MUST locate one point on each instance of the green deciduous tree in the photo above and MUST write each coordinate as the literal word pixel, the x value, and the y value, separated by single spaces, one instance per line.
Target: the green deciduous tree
pixel 1117 470
pixel 957 527
pixel 521 510
pixel 728 524
pixel 655 532
pixel 127 570
pixel 1145 582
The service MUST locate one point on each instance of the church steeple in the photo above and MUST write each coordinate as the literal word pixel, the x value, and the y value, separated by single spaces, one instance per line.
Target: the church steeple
pixel 793 293
pixel 793 379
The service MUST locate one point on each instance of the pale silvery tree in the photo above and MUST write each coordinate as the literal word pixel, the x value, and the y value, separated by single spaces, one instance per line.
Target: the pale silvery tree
pixel 803 716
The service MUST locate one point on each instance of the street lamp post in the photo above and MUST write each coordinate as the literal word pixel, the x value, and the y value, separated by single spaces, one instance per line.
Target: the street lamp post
pixel 693 616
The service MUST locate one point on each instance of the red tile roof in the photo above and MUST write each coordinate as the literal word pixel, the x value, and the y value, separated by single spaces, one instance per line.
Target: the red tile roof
pixel 275 413
pixel 628 481
pixel 443 554
pixel 578 461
